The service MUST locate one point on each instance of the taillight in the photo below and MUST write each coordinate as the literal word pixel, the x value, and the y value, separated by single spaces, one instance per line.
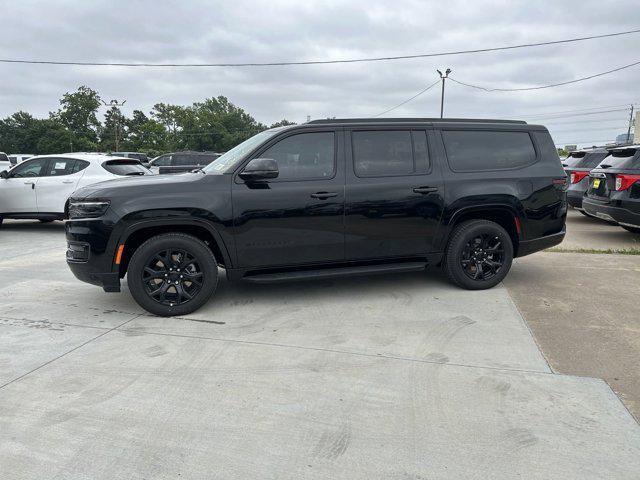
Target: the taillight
pixel 576 177
pixel 560 183
pixel 624 181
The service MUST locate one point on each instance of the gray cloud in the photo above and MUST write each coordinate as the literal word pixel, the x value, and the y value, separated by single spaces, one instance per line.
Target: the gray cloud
pixel 239 31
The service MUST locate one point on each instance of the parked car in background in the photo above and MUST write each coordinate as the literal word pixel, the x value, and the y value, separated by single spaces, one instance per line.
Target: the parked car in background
pixel 5 161
pixel 144 159
pixel 577 167
pixel 614 188
pixel 180 162
pixel 19 157
pixel 39 187
pixel 327 198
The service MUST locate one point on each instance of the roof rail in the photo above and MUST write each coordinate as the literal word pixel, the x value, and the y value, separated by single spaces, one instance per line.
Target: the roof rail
pixel 414 120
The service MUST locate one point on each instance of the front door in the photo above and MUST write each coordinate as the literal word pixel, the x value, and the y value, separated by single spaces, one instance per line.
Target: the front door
pixel 17 193
pixel 298 217
pixel 394 193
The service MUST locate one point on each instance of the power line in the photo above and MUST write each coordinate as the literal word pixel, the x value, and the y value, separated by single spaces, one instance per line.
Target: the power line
pixel 624 127
pixel 579 114
pixel 409 99
pixel 582 79
pixel 544 114
pixel 594 120
pixel 321 62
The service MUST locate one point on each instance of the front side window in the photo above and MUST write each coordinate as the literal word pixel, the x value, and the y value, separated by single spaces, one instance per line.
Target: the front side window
pixel 304 156
pixel 475 150
pixel 30 168
pixel 390 152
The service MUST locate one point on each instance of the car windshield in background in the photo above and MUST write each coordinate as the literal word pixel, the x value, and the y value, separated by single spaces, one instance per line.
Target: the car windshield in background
pixel 229 160
pixel 590 160
pixel 125 167
pixel 623 158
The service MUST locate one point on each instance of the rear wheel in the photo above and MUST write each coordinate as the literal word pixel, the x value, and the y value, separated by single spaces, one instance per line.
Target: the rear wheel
pixel 631 229
pixel 478 255
pixel 172 274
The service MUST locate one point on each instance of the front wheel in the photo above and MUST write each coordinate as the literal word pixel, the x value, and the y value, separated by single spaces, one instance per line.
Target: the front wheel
pixel 172 274
pixel 478 255
pixel 631 229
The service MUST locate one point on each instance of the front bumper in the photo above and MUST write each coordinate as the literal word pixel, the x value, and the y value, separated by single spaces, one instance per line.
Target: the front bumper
pixel 91 252
pixel 607 212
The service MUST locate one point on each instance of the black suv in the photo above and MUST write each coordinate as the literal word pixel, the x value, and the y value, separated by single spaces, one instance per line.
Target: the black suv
pixel 614 188
pixel 327 198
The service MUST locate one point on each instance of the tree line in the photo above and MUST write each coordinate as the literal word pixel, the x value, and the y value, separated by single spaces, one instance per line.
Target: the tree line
pixel 214 124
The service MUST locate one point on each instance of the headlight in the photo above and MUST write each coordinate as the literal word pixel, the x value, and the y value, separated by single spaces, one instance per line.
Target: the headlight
pixel 87 209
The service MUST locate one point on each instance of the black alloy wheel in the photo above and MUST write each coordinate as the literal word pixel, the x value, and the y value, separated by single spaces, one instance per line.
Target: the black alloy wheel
pixel 172 274
pixel 478 255
pixel 172 277
pixel 482 257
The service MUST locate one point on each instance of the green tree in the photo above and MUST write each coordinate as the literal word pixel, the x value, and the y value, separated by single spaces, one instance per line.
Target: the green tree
pixel 78 113
pixel 114 132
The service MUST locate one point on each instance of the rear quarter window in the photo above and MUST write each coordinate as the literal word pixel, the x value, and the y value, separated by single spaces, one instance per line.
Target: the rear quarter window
pixel 628 158
pixel 591 160
pixel 479 150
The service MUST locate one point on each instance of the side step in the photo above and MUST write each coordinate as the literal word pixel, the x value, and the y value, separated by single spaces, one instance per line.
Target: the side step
pixel 336 272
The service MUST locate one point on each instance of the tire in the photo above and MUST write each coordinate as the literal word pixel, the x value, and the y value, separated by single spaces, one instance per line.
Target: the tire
pixel 462 250
pixel 174 300
pixel 631 229
pixel 44 220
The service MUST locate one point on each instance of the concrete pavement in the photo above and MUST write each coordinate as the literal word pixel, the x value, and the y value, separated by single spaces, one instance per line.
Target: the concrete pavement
pixel 398 376
pixel 588 233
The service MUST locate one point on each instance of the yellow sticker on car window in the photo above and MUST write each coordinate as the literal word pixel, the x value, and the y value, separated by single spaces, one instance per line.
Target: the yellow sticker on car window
pixel 596 182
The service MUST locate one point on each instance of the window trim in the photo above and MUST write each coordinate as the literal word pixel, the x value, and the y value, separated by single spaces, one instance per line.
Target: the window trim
pixel 410 129
pixel 534 144
pixel 290 133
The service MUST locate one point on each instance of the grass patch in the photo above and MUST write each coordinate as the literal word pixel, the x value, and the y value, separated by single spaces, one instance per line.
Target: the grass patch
pixel 610 251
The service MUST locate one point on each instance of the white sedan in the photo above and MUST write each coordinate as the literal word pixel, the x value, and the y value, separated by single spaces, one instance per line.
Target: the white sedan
pixel 39 187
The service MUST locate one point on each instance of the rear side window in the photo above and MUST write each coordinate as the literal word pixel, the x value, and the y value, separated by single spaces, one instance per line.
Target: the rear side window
pixel 475 150
pixel 125 167
pixel 79 166
pixel 60 166
pixel 184 160
pixel 379 153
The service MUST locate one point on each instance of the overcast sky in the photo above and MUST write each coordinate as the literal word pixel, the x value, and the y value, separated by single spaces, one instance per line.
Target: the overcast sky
pixel 252 31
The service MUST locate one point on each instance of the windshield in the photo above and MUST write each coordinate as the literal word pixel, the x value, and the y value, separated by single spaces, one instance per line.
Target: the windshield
pixel 229 160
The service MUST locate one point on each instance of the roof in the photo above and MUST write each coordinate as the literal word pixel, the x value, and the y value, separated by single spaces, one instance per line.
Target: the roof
pixel 89 157
pixel 625 147
pixel 413 120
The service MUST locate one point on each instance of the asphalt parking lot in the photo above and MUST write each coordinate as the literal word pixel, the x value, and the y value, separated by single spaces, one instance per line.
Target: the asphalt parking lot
pixel 397 376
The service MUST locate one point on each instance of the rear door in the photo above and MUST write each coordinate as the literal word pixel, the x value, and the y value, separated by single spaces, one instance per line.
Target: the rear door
pixel 60 180
pixel 394 193
pixel 17 193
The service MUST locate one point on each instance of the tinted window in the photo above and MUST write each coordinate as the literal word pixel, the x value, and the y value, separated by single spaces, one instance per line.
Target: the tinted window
pixel 30 168
pixel 125 167
pixel 591 159
pixel 183 160
pixel 79 166
pixel 163 161
pixel 484 150
pixel 60 166
pixel 390 152
pixel 625 158
pixel 304 156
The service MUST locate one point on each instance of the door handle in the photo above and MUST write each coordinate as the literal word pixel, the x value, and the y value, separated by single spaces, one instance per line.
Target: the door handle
pixel 424 190
pixel 323 195
pixel 67 181
pixel 33 185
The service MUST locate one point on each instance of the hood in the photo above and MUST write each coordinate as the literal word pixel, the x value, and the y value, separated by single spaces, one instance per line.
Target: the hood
pixel 138 183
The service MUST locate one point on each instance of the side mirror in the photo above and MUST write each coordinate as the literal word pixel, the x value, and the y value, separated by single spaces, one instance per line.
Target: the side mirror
pixel 4 174
pixel 260 169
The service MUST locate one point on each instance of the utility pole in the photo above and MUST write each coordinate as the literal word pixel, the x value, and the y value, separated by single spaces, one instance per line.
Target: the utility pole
pixel 115 104
pixel 443 77
pixel 630 122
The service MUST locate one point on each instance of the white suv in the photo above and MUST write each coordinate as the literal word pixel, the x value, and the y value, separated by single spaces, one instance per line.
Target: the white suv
pixel 39 187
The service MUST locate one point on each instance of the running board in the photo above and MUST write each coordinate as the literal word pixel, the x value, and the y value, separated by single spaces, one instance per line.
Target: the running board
pixel 336 272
